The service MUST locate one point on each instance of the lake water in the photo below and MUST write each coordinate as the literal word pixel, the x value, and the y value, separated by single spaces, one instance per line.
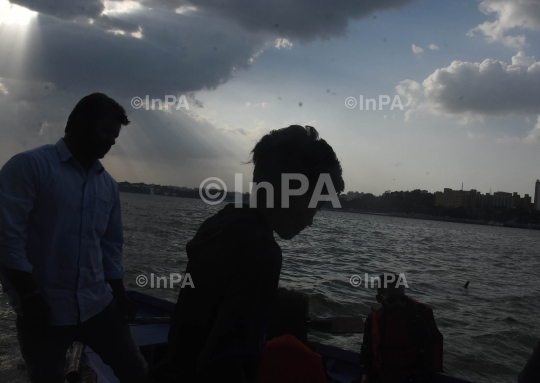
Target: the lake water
pixel 489 329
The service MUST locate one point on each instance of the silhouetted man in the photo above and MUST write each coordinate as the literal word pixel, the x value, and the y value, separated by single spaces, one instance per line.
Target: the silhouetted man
pixel 218 329
pixel 401 340
pixel 61 242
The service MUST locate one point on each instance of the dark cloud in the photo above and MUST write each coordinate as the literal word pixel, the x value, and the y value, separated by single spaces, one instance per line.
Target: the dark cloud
pixel 70 50
pixel 301 20
pixel 175 55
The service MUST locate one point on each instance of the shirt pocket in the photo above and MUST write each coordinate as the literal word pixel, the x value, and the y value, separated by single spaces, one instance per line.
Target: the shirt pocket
pixel 102 214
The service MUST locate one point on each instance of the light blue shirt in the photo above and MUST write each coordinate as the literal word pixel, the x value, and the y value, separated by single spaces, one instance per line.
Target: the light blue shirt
pixel 64 226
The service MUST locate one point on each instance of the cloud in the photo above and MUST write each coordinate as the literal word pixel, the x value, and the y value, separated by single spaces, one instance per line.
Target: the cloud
pixel 82 11
pixel 511 14
pixel 474 90
pixel 418 50
pixel 433 47
pixel 264 105
pixel 299 20
pixel 200 46
pixel 522 59
pixel 296 20
pixel 533 137
pixel 177 54
pixel 471 92
pixel 64 9
pixel 475 136
pixel 154 48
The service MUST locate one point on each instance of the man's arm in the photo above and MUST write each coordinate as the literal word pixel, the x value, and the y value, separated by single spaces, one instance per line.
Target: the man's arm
pixel 18 191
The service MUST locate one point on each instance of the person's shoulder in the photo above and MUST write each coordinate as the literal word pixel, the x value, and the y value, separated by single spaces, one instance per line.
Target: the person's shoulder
pixel 420 308
pixel 36 153
pixel 40 153
pixel 29 158
pixel 109 179
pixel 234 233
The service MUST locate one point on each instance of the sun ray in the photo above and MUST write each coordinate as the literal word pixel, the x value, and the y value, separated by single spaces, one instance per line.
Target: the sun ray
pixel 18 26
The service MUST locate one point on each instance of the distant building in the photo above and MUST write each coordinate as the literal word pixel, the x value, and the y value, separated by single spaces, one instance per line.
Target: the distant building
pixel 527 202
pixel 456 198
pixel 537 195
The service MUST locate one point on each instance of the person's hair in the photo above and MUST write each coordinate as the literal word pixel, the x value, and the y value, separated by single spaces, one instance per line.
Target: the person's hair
pixel 295 149
pixel 92 108
pixel 290 315
pixel 391 286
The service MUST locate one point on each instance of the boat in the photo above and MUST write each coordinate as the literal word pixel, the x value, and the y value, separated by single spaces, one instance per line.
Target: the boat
pixel 151 335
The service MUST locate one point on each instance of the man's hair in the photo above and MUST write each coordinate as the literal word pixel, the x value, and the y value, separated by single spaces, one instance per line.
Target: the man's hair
pixel 390 286
pixel 94 107
pixel 290 314
pixel 295 149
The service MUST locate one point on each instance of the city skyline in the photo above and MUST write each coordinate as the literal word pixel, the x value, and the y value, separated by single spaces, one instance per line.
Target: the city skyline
pixel 491 192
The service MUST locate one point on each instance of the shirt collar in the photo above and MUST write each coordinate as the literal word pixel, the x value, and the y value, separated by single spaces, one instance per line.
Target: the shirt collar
pixel 98 167
pixel 63 150
pixel 65 155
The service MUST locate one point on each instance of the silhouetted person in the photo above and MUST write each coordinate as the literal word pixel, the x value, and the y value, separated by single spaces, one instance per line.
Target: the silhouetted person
pixel 401 341
pixel 218 328
pixel 61 242
pixel 286 358
pixel 531 371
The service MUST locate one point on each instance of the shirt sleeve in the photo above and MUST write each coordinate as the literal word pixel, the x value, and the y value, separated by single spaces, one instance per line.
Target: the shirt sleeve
pixel 18 190
pixel 112 242
pixel 237 336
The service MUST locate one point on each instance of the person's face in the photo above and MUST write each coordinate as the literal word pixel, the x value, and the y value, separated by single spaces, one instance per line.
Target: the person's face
pixel 289 222
pixel 102 137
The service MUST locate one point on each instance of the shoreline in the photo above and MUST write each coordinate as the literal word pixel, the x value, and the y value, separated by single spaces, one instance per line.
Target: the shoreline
pixel 399 215
pixel 442 219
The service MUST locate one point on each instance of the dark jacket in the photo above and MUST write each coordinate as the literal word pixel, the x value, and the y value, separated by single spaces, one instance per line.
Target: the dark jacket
pixel 218 328
pixel 420 339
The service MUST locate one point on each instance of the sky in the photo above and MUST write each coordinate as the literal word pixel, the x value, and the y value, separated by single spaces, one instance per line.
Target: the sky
pixel 456 85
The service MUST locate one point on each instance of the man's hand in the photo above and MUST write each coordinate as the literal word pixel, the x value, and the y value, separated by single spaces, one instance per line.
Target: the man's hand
pixel 126 307
pixel 365 379
pixel 35 312
pixel 34 308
